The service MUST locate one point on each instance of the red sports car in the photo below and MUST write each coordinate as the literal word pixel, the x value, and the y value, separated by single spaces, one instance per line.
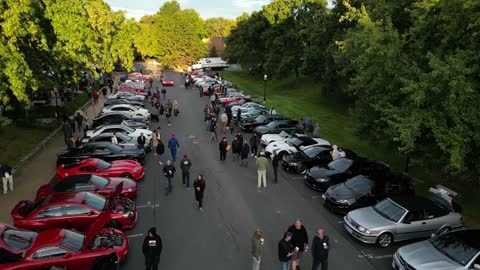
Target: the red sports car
pixel 227 100
pixel 88 182
pixel 75 210
pixel 62 248
pixel 168 83
pixel 216 89
pixel 118 168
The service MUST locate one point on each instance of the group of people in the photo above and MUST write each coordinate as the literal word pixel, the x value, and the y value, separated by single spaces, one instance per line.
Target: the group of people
pixel 292 247
pixel 71 124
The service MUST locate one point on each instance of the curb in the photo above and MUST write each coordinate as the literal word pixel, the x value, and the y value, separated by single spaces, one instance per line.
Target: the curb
pixel 42 145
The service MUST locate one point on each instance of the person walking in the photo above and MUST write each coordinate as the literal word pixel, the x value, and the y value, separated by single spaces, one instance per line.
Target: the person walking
pixel 199 186
pixel 229 113
pixel 262 164
pixel 257 249
pixel 161 111
pixel 272 111
pixel 213 130
pixel 79 119
pixel 95 97
pixel 160 149
pixel 236 148
pixel 244 154
pixel 67 131
pixel 239 117
pixel 72 123
pixel 185 165
pixel 164 93
pixel 173 145
pixel 320 249
pixel 169 172
pixel 254 142
pixel 104 92
pixel 141 141
pixel 175 107
pixel 285 251
pixel 168 114
pixel 223 148
pixel 154 141
pixel 299 242
pixel 152 248
pixel 224 120
pixel 275 161
pixel 6 173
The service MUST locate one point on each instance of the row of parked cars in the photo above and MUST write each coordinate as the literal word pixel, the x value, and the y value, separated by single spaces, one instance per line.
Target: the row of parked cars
pixel 77 221
pixel 379 205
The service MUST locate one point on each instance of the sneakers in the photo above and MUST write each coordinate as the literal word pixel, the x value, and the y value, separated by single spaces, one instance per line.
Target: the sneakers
pixel 201 209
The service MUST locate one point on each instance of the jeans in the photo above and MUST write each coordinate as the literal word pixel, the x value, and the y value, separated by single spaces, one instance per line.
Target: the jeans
pixel 164 95
pixel 168 184
pixel 213 136
pixel 173 151
pixel 262 175
pixel 208 124
pixel 256 263
pixel 322 263
pixel 285 265
pixel 7 180
pixel 186 178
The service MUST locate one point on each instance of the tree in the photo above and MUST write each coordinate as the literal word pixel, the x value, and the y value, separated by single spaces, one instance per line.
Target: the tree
pixel 219 27
pixel 213 51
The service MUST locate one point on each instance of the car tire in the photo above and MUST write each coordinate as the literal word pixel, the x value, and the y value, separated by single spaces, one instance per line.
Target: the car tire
pixel 301 169
pixel 126 175
pixel 384 240
pixel 282 154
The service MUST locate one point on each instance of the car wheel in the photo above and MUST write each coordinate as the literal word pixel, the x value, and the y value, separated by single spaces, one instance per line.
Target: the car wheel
pixel 126 175
pixel 384 240
pixel 282 154
pixel 301 169
pixel 114 224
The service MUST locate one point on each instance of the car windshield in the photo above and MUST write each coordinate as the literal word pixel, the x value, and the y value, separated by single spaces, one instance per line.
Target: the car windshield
pixel 457 246
pixel 72 240
pixel 129 129
pixel 360 184
pixel 312 152
pixel 389 210
pixel 103 165
pixel 123 137
pixel 94 201
pixel 115 148
pixel 340 165
pixel 99 181
pixel 295 142
pixel 260 119
pixel 18 240
pixel 272 125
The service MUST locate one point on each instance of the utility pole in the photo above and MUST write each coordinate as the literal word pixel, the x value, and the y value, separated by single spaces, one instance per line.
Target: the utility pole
pixel 265 77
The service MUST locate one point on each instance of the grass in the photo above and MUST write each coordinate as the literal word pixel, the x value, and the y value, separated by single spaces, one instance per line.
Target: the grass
pixel 16 142
pixel 304 98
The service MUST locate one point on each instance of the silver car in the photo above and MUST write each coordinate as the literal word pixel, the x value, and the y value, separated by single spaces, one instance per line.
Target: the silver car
pixel 457 250
pixel 402 218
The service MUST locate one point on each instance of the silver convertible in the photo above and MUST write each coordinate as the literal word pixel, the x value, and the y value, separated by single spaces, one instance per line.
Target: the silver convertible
pixel 403 218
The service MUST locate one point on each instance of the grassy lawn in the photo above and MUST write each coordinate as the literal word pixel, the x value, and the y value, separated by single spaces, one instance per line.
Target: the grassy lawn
pixel 16 142
pixel 336 125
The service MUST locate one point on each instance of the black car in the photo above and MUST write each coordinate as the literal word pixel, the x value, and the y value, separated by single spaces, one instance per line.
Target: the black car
pixel 102 150
pixel 123 140
pixel 277 126
pixel 124 101
pixel 338 171
pixel 260 120
pixel 362 191
pixel 300 161
pixel 115 118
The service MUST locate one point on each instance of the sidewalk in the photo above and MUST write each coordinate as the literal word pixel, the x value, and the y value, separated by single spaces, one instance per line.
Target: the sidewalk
pixel 39 170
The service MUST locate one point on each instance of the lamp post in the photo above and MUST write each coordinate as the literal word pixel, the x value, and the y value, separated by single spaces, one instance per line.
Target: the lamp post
pixel 265 77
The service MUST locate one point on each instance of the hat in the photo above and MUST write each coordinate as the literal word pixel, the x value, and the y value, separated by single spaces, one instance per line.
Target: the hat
pixel 287 234
pixel 185 155
pixel 152 230
pixel 173 135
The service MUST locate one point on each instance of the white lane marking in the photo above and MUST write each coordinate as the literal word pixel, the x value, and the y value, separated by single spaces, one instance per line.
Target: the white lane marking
pixel 135 235
pixel 147 206
pixel 340 222
pixel 316 197
pixel 375 257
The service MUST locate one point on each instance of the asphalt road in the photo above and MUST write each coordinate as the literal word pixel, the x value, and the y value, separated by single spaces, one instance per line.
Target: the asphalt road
pixel 219 237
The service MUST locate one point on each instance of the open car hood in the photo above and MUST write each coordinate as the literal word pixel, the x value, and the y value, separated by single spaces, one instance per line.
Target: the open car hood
pixel 95 227
pixel 116 191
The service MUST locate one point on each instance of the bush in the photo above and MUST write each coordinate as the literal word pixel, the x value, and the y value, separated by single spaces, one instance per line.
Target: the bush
pixel 77 102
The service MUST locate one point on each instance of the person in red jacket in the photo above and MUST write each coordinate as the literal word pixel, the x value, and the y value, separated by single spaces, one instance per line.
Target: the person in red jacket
pixel 95 96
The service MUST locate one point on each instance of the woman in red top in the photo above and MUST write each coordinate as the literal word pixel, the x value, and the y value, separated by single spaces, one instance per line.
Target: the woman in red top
pixel 95 96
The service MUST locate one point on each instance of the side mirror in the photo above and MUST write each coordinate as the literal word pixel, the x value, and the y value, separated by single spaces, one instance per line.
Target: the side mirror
pixel 91 213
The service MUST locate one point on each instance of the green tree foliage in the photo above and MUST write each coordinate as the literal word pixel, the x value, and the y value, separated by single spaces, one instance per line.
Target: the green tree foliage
pixel 172 36
pixel 219 27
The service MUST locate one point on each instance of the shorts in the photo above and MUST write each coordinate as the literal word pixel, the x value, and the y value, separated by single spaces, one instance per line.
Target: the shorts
pixel 297 255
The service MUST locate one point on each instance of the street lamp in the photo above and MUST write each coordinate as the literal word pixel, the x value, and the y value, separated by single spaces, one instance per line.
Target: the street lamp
pixel 265 77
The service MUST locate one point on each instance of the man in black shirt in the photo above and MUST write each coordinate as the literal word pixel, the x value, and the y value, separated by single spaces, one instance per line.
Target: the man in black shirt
pixel 285 251
pixel 299 242
pixel 275 160
pixel 141 141
pixel 320 248
pixel 152 248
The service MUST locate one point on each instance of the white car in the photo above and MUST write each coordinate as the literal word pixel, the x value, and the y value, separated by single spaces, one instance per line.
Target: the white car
pixel 131 132
pixel 293 145
pixel 266 139
pixel 246 107
pixel 127 95
pixel 128 109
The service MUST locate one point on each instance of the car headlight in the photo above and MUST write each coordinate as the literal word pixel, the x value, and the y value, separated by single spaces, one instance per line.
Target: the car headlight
pixel 130 190
pixel 371 232
pixel 136 170
pixel 362 229
pixel 345 202
pixel 126 215
pixel 322 180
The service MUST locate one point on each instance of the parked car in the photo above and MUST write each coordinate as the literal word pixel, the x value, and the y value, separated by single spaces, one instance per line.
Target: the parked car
pixel 294 145
pixel 167 82
pixel 128 109
pixel 115 118
pixel 75 210
pixel 300 161
pixel 362 191
pixel 246 106
pixel 338 171
pixel 128 96
pixel 135 124
pixel 267 139
pixel 63 248
pixel 457 250
pixel 403 218
pixel 118 168
pixel 234 98
pixel 88 182
pixel 103 150
pixel 111 102
pixel 249 124
pixel 123 140
pixel 131 132
pixel 275 127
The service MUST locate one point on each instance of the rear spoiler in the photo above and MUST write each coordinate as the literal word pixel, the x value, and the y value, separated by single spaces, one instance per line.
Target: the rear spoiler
pixel 444 192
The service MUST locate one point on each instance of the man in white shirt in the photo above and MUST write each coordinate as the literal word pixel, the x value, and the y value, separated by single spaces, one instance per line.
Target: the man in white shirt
pixel 7 177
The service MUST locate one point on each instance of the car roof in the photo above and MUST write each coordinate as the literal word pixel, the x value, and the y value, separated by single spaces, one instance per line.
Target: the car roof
pixel 111 113
pixel 79 178
pixel 412 203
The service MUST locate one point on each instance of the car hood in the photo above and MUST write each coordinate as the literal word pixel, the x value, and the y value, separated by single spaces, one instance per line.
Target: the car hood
pixel 124 164
pixel 423 255
pixel 95 228
pixel 342 192
pixel 369 219
pixel 280 146
pixel 318 172
pixel 273 137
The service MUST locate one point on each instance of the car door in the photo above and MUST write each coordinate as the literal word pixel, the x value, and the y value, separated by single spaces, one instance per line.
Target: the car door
pixel 412 226
pixel 79 217
pixel 434 219
pixel 49 217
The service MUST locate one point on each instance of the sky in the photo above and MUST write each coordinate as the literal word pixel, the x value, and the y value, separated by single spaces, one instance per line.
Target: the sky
pixel 207 8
